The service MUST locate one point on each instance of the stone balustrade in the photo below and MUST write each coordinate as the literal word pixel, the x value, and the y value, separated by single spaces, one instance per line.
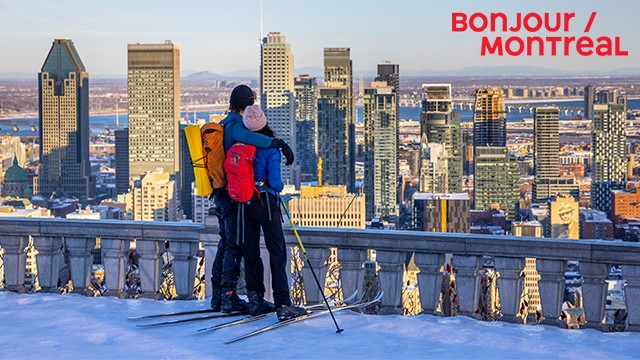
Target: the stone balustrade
pixel 465 250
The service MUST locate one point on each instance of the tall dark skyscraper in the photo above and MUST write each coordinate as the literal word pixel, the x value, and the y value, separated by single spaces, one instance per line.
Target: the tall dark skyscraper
pixel 547 182
pixel 489 118
pixel 64 124
pixel 440 124
pixel 336 127
pixel 333 135
pixel 122 160
pixel 608 139
pixel 589 100
pixel 306 94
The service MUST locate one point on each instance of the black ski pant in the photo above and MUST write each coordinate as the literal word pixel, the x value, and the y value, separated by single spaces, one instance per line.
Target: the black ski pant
pixel 265 215
pixel 226 265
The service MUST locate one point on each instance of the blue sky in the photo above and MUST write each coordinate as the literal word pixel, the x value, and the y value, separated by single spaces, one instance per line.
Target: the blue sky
pixel 222 36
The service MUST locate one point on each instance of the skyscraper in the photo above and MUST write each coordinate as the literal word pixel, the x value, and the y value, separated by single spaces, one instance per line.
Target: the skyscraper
pixel 306 94
pixel 440 124
pixel 390 73
pixel 276 91
pixel 497 180
pixel 336 128
pixel 64 124
pixel 548 182
pixel 489 118
pixel 122 160
pixel 380 129
pixel 589 100
pixel 154 108
pixel 608 140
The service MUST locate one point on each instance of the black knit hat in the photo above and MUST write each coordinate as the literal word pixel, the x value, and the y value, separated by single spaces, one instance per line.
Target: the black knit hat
pixel 241 97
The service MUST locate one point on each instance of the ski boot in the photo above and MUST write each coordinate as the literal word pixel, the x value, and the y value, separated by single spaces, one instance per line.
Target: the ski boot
pixel 286 312
pixel 215 299
pixel 258 305
pixel 231 303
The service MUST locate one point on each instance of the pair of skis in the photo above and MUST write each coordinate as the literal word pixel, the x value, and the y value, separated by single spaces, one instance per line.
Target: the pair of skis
pixel 249 319
pixel 214 315
pixel 314 311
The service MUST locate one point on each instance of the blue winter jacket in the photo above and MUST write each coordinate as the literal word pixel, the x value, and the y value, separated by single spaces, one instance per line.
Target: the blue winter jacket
pixel 235 131
pixel 267 166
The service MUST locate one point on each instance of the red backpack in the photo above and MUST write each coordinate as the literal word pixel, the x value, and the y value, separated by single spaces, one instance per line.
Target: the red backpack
pixel 238 167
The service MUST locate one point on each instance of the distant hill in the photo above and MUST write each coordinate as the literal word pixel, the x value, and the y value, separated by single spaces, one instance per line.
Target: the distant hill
pixel 317 71
pixel 204 76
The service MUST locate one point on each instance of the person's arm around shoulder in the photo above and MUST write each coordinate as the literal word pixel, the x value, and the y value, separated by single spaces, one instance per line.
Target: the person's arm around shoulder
pixel 244 135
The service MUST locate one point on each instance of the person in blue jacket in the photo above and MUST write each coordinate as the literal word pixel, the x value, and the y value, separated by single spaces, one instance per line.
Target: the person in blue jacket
pixel 226 265
pixel 263 212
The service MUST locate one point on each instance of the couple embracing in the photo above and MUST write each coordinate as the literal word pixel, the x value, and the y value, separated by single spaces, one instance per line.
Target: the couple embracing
pixel 246 123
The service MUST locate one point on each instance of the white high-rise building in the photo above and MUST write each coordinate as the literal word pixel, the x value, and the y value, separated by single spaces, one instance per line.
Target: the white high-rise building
pixel 433 168
pixel 155 198
pixel 277 91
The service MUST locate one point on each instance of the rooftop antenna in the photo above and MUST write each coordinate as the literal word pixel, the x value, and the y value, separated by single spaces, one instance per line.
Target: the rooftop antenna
pixel 261 36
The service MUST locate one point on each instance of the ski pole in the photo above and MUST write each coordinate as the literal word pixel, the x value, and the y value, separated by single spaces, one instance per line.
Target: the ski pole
pixel 284 205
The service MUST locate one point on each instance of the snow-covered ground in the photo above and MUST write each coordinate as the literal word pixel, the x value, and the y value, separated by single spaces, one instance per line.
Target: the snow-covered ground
pixel 48 326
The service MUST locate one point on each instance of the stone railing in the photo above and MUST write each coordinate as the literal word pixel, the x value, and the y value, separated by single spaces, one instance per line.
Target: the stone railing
pixel 430 249
pixel 467 251
pixel 80 237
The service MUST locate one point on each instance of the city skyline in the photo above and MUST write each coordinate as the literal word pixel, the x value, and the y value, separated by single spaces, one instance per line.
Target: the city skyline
pixel 202 31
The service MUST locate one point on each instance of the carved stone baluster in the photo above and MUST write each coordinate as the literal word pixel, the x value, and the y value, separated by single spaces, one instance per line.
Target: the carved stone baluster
pixel 48 261
pixel 81 262
pixel 467 282
pixel 509 285
pixel 317 257
pixel 114 259
pixel 209 238
pixel 429 279
pixel 390 274
pixel 632 293
pixel 184 267
pixel 551 287
pixel 150 267
pixel 14 262
pixel 352 271
pixel 594 291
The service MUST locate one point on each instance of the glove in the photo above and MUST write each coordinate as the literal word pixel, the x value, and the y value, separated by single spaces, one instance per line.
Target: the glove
pixel 286 150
